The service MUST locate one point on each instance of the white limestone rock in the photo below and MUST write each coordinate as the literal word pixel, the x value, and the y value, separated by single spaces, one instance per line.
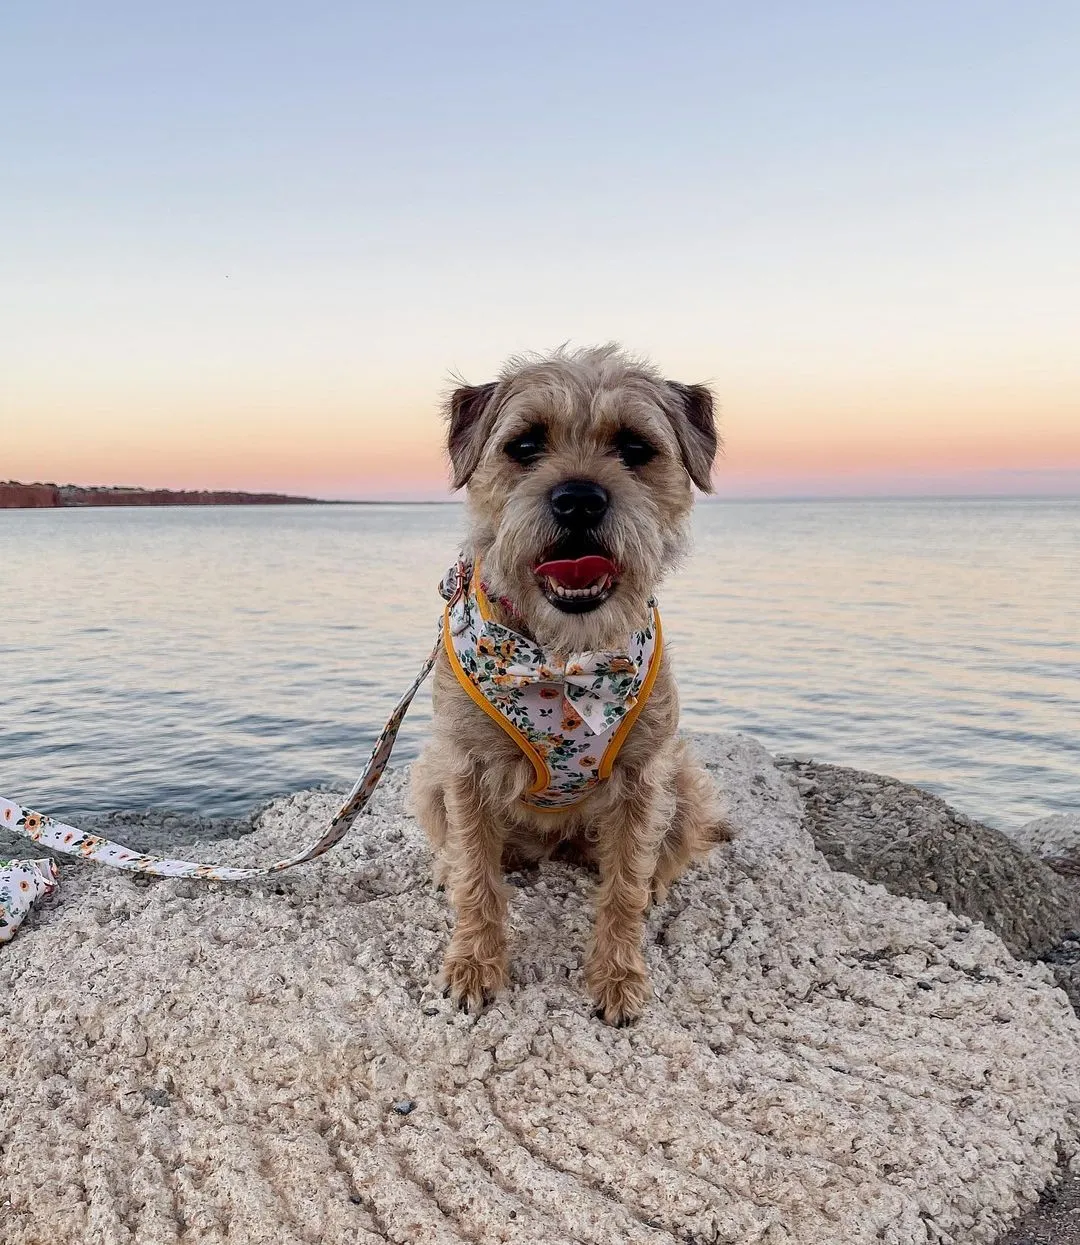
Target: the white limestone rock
pixel 823 1064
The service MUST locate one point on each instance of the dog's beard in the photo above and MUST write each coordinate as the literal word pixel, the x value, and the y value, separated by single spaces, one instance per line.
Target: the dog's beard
pixel 633 539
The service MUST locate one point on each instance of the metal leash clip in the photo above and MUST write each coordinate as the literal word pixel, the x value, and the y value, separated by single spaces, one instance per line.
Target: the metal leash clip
pixel 453 588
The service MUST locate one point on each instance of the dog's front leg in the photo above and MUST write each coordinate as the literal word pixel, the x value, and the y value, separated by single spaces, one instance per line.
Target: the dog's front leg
pixel 630 834
pixel 475 965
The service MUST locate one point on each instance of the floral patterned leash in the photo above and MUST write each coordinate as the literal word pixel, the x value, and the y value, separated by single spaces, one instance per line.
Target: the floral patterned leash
pixel 24 882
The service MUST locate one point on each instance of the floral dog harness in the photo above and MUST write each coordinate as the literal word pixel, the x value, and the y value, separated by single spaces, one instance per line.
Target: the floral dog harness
pixel 569 714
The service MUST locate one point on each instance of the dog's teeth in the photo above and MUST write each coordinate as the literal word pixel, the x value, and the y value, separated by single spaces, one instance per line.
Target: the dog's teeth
pixel 572 594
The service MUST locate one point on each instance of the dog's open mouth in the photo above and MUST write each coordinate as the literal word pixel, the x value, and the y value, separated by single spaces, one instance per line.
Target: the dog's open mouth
pixel 577 585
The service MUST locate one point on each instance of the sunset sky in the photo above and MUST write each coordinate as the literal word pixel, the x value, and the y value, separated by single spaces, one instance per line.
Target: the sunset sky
pixel 245 245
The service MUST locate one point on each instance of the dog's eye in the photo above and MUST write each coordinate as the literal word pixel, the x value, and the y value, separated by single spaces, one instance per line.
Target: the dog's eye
pixel 527 448
pixel 635 451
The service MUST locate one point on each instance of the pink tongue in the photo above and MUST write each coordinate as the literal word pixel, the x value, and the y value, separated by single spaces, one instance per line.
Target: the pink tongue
pixel 577 572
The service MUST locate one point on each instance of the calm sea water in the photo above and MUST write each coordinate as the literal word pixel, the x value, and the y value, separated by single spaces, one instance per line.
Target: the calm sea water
pixel 203 659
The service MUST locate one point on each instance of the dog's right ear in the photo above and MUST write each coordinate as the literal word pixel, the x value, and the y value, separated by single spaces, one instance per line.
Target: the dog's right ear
pixel 465 439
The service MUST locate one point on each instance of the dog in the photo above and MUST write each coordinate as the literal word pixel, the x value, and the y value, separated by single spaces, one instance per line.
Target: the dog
pixel 578 469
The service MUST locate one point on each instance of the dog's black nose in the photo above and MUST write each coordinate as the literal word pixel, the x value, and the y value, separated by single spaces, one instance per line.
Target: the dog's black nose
pixel 578 503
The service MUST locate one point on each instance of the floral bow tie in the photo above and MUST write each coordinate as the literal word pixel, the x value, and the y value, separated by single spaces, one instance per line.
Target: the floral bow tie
pixel 600 686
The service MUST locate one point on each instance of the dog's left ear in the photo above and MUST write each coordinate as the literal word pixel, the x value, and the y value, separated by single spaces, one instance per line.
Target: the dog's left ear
pixel 466 436
pixel 695 427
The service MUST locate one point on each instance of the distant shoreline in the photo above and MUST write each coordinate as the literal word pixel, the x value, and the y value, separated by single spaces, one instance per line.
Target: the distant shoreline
pixel 16 496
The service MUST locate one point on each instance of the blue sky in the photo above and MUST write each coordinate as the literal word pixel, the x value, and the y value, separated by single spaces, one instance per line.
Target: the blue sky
pixel 247 244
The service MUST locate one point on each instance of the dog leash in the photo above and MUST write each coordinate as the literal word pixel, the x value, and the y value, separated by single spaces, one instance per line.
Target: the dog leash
pixel 24 882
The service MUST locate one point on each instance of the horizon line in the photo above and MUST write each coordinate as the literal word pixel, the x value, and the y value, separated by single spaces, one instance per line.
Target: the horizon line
pixel 767 498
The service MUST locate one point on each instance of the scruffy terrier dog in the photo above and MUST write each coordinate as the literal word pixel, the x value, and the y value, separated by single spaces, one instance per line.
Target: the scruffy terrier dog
pixel 555 706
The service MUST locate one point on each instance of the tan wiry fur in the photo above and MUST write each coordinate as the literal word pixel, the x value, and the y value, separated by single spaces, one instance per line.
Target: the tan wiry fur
pixel 657 811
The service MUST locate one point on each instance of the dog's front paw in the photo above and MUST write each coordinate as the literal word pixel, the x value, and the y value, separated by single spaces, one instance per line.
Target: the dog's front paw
pixel 470 982
pixel 621 993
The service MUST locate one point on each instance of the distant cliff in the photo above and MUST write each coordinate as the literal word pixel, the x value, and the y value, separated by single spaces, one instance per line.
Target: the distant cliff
pixel 15 496
pixel 28 496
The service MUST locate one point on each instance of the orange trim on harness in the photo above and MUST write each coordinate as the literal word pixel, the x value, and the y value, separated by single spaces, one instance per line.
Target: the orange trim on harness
pixel 612 751
pixel 543 774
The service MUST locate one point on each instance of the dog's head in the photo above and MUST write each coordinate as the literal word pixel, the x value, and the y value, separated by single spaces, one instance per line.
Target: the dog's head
pixel 578 468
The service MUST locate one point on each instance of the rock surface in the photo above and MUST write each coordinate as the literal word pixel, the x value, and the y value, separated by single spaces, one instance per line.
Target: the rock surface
pixel 824 1063
pixel 914 844
pixel 887 831
pixel 1054 1221
pixel 1056 839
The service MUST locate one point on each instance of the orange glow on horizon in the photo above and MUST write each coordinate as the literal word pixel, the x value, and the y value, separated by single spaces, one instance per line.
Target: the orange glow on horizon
pixel 391 444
